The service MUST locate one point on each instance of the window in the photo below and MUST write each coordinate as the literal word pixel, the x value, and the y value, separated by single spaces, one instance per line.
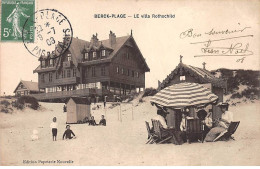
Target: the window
pixel 133 73
pixel 94 55
pixel 122 71
pixel 86 73
pixel 43 63
pixel 182 78
pixel 57 75
pixel 128 72
pixel 103 71
pixel 137 74
pixel 69 57
pixel 74 72
pixel 93 71
pixel 127 55
pixel 86 56
pixel 117 70
pixel 63 74
pixel 103 53
pixel 68 73
pixel 51 62
pixel 50 77
pixel 42 78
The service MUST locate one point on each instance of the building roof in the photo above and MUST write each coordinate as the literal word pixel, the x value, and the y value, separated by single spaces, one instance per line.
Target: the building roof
pixel 203 75
pixel 31 86
pixel 78 45
pixel 80 100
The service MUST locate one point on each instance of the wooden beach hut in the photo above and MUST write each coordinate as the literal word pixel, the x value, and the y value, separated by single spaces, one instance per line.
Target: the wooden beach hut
pixel 191 74
pixel 77 109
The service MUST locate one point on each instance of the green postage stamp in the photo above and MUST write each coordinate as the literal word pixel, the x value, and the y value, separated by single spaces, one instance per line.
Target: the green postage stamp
pixel 13 17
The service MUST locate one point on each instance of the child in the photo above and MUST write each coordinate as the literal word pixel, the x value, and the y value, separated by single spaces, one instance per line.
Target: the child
pixel 34 136
pixel 92 121
pixel 68 133
pixel 54 126
pixel 102 121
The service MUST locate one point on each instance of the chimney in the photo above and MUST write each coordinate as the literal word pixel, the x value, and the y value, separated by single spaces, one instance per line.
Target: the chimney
pixel 112 38
pixel 204 65
pixel 94 40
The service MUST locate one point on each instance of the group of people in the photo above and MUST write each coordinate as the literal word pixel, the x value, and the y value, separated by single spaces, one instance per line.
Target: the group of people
pixel 68 134
pixel 92 121
pixel 211 128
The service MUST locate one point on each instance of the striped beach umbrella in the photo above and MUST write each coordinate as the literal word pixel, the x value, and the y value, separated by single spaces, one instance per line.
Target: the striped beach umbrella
pixel 184 95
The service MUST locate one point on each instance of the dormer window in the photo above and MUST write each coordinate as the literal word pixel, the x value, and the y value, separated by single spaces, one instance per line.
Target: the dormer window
pixel 43 64
pixel 86 56
pixel 94 55
pixel 51 62
pixel 103 53
pixel 69 57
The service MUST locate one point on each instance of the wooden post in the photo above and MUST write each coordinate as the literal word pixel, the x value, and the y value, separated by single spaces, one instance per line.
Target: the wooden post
pixel 120 113
pixel 132 111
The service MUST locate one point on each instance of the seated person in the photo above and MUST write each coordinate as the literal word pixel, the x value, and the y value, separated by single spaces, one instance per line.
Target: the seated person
pixel 221 124
pixel 102 121
pixel 206 121
pixel 67 134
pixel 86 120
pixel 202 114
pixel 92 121
pixel 161 118
pixel 176 138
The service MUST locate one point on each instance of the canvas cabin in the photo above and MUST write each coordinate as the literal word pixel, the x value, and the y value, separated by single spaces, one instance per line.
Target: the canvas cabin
pixel 77 109
pixel 188 73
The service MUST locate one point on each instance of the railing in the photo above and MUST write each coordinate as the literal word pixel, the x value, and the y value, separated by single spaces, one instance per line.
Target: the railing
pixel 66 94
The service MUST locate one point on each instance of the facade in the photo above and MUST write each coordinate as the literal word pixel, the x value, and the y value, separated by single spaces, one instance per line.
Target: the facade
pixel 188 73
pixel 112 66
pixel 77 109
pixel 26 88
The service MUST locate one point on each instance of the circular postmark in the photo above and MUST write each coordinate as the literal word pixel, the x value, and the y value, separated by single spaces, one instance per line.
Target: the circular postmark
pixel 50 36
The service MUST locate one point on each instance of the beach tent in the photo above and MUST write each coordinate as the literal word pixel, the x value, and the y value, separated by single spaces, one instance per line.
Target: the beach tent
pixel 77 109
pixel 181 97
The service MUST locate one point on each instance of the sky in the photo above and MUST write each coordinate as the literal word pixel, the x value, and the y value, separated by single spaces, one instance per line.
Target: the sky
pixel 160 40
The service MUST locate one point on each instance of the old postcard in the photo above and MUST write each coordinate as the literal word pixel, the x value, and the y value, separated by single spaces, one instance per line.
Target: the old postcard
pixel 129 83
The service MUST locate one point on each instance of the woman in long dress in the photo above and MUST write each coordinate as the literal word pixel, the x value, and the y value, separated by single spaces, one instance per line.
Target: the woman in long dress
pixel 14 17
pixel 222 123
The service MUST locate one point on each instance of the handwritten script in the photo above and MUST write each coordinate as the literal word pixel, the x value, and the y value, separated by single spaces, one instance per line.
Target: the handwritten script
pixel 232 46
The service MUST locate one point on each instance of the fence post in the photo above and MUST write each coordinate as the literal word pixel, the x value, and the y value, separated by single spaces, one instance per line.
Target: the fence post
pixel 132 111
pixel 120 113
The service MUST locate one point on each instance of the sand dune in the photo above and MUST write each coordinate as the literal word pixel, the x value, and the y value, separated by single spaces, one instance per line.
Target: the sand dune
pixel 120 142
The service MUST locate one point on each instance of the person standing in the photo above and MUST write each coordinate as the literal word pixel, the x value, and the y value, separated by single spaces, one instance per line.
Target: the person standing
pixel 54 129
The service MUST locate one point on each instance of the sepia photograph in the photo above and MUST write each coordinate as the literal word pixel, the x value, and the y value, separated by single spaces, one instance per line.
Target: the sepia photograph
pixel 129 83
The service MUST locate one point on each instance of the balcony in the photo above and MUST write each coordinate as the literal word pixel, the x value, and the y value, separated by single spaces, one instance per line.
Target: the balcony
pixel 61 81
pixel 67 94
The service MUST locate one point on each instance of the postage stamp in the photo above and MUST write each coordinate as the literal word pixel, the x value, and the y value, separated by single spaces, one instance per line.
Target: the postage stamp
pixel 52 31
pixel 14 14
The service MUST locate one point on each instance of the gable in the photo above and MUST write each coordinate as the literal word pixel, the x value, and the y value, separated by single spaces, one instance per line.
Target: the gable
pixel 130 47
pixel 200 75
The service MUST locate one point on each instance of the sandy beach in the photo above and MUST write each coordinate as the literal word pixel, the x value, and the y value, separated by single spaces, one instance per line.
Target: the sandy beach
pixel 121 142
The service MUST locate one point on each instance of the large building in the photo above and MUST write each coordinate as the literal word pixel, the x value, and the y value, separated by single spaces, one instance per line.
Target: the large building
pixel 113 66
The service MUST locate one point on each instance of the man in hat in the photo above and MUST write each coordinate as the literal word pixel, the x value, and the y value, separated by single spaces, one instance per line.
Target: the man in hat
pixel 226 117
